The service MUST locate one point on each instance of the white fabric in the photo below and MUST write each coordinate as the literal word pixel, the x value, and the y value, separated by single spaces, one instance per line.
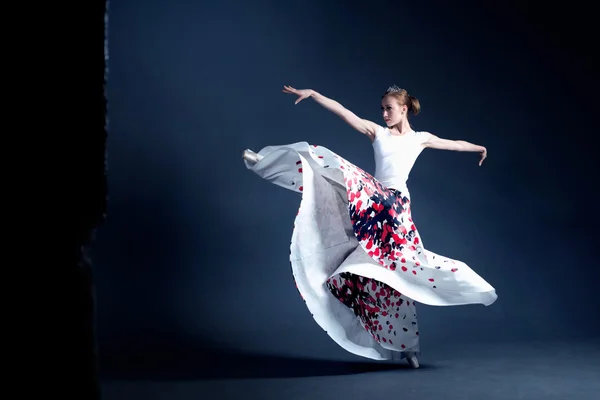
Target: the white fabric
pixel 395 156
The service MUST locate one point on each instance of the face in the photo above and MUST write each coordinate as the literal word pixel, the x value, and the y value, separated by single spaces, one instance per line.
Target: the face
pixel 392 111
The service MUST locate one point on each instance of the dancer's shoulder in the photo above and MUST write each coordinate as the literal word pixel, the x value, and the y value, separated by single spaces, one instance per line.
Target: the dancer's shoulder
pixel 422 136
pixel 375 130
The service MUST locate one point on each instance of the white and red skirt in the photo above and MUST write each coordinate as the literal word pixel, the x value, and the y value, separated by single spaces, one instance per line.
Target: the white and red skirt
pixel 357 257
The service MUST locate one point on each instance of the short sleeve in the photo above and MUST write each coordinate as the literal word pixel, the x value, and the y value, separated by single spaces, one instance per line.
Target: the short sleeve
pixel 379 131
pixel 422 137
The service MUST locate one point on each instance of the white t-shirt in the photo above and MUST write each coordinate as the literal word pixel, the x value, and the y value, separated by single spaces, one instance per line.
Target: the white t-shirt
pixel 395 156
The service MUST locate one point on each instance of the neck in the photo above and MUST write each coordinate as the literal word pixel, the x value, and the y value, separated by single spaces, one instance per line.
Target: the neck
pixel 402 128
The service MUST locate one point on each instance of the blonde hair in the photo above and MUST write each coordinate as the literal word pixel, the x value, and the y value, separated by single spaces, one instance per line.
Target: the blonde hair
pixel 402 96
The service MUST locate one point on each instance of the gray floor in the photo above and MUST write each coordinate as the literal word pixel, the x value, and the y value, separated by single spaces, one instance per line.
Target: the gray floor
pixel 549 371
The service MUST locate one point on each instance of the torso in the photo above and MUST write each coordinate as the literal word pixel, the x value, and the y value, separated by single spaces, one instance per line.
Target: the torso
pixel 395 156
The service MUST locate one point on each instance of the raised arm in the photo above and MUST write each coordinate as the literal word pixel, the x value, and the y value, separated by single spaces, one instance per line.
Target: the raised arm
pixel 364 126
pixel 434 142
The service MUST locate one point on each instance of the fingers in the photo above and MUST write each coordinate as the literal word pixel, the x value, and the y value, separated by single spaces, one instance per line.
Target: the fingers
pixel 289 89
pixel 483 156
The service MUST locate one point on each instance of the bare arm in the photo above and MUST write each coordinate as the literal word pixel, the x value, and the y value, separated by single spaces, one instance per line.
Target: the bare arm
pixel 363 126
pixel 435 142
pixel 438 143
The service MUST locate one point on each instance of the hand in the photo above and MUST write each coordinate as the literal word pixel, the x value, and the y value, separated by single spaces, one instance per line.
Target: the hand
pixel 483 155
pixel 302 93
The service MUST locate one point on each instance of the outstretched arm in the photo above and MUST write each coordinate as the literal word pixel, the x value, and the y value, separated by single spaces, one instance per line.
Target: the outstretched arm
pixel 364 126
pixel 435 142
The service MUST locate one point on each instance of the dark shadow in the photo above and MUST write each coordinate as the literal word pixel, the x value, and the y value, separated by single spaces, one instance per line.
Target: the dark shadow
pixel 229 365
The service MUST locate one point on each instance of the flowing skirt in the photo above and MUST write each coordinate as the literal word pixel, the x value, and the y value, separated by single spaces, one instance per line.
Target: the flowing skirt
pixel 357 257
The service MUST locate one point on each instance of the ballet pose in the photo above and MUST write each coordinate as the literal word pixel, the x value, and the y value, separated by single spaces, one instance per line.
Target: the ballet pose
pixel 357 257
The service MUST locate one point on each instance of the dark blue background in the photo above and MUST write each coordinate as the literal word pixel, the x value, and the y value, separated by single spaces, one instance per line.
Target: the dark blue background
pixel 194 255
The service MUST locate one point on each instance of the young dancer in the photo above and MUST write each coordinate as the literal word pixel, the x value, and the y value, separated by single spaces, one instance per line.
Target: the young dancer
pixel 357 257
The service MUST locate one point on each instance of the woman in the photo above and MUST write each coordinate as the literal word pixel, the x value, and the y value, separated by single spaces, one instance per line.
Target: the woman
pixel 357 257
